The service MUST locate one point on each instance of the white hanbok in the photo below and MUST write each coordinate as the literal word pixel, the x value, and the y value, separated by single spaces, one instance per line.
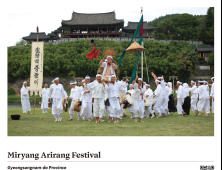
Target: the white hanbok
pixel 25 99
pixel 86 108
pixel 104 65
pixel 194 98
pixel 131 107
pixel 98 93
pixel 138 101
pixel 113 94
pixel 212 96
pixel 203 97
pixel 57 92
pixel 148 109
pixel 159 99
pixel 180 99
pixel 45 97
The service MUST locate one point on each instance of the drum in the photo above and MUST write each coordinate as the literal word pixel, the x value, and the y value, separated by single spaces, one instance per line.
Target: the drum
pixel 128 102
pixel 147 102
pixel 77 106
pixel 154 100
pixel 130 99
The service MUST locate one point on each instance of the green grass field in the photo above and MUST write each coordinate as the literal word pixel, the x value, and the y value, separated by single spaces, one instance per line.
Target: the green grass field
pixel 40 124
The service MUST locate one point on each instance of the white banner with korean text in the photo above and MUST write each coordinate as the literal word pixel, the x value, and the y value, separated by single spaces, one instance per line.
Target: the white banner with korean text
pixel 36 72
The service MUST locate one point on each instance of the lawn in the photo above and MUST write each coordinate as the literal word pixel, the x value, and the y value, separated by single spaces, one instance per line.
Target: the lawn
pixel 40 124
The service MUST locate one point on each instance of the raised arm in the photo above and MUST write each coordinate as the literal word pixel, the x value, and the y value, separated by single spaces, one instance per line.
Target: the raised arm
pixel 135 80
pixel 100 63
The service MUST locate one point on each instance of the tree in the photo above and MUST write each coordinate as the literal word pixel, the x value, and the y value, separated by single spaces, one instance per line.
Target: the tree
pixel 21 42
pixel 179 27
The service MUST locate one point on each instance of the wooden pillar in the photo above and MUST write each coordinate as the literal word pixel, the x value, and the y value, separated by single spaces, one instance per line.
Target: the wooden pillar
pixel 116 29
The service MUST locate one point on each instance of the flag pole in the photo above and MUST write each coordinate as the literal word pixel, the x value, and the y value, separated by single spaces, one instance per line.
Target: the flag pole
pixel 142 51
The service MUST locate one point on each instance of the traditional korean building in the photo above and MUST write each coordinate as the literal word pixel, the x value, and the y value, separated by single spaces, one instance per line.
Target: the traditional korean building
pixel 84 25
pixel 33 37
pixel 130 29
pixel 204 51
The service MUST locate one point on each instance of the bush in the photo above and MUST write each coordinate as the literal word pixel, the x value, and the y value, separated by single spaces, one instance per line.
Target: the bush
pixel 11 91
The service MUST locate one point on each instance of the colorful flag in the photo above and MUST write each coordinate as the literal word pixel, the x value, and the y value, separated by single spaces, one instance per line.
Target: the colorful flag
pixel 138 32
pixel 93 54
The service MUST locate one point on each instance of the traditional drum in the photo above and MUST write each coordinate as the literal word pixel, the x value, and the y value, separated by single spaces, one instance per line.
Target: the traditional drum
pixel 128 102
pixel 154 100
pixel 77 106
pixel 147 102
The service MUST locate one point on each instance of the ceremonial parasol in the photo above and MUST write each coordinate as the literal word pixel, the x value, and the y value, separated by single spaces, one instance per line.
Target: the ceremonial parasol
pixel 135 47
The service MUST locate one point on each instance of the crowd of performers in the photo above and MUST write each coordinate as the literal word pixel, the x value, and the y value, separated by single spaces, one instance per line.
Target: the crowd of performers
pixel 107 95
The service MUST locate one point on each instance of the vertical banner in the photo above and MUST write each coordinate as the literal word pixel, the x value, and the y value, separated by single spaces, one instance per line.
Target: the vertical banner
pixel 36 72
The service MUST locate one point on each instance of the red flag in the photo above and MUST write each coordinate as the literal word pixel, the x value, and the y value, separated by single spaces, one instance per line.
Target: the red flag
pixel 141 29
pixel 93 54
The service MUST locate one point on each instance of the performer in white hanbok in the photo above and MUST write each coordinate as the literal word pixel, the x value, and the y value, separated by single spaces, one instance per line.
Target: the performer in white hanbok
pixel 148 109
pixel 180 98
pixel 75 96
pixel 166 99
pixel 212 95
pixel 113 93
pixel 159 99
pixel 186 104
pixel 25 98
pixel 138 99
pixel 86 98
pixel 203 97
pixel 207 107
pixel 171 106
pixel 45 98
pixel 131 92
pixel 108 67
pixel 123 111
pixel 57 92
pixel 194 97
pixel 98 88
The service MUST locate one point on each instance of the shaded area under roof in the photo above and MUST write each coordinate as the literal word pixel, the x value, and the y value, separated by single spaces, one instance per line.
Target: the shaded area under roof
pixel 133 26
pixel 33 36
pixel 93 19
pixel 204 48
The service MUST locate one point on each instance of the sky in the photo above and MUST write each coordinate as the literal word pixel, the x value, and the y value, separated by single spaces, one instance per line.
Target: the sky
pixel 23 17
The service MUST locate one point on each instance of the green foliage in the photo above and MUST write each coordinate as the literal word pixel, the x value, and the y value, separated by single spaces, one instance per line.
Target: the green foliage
pixel 206 27
pixel 211 59
pixel 11 91
pixel 180 27
pixel 68 59
pixel 21 43
pixel 175 58
pixel 156 21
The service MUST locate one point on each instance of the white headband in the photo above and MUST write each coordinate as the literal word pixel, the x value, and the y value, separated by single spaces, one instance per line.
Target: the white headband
pixel 98 75
pixel 201 81
pixel 160 78
pixel 193 82
pixel 179 82
pixel 72 83
pixel 113 75
pixel 83 80
pixel 157 80
pixel 148 85
pixel 87 77
pixel 56 78
pixel 212 78
pixel 144 82
pixel 110 56
pixel 140 79
pixel 24 82
pixel 131 84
